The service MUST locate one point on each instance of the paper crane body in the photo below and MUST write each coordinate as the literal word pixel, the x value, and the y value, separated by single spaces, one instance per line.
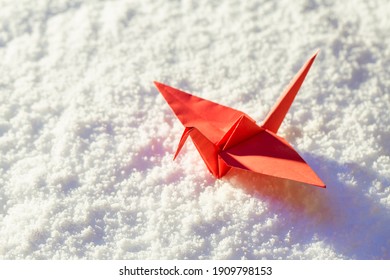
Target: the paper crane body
pixel 227 138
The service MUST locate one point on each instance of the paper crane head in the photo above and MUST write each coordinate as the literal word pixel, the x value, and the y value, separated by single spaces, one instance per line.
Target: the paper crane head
pixel 227 138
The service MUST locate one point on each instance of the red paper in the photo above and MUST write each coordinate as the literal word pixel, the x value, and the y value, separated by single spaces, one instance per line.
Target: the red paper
pixel 227 138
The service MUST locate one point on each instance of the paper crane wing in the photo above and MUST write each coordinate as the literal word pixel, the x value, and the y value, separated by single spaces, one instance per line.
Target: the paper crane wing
pixel 268 154
pixel 211 119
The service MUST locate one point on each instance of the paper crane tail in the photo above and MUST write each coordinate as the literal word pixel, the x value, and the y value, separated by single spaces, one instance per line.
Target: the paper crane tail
pixel 278 112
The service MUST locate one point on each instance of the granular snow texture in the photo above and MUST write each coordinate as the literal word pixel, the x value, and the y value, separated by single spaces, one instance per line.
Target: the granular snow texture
pixel 87 142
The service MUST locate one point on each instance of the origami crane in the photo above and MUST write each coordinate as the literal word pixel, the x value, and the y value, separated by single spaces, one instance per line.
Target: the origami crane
pixel 227 138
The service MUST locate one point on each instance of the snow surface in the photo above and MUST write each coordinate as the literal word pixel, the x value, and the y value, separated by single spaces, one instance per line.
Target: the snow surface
pixel 87 142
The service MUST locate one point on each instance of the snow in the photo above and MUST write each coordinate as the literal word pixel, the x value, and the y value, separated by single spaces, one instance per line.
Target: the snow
pixel 87 142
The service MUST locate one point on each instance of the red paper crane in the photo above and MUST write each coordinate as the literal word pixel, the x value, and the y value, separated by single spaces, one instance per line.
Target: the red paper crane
pixel 227 138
